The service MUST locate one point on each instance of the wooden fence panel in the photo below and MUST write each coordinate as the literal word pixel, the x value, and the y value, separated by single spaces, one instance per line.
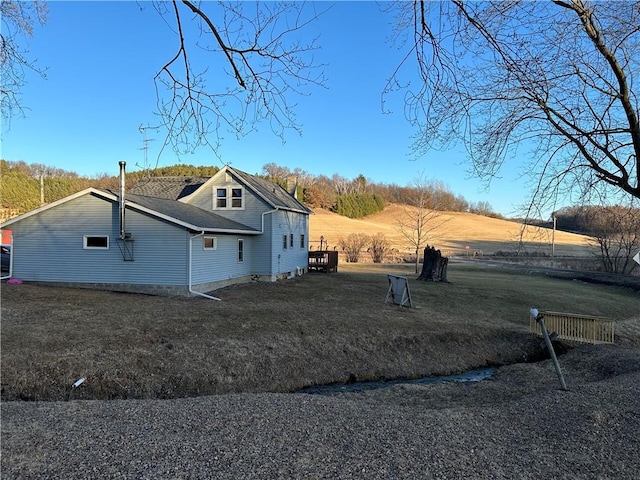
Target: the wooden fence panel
pixel 576 328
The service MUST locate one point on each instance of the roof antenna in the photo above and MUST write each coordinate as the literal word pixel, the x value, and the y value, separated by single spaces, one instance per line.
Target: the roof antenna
pixel 145 146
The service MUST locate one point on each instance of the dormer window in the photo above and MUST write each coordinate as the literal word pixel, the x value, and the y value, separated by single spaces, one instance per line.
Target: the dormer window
pixel 236 198
pixel 229 198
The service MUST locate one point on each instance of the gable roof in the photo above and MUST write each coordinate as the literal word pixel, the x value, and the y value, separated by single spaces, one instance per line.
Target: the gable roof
pixel 174 188
pixel 271 192
pixel 181 188
pixel 178 213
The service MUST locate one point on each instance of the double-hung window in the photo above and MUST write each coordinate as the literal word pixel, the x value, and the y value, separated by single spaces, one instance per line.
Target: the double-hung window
pixel 229 198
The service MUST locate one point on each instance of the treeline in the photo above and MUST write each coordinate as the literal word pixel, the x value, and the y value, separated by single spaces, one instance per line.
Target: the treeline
pixel 25 187
pixel 595 219
pixel 331 193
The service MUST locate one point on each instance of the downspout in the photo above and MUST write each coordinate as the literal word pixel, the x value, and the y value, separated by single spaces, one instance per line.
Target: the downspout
pixel 266 213
pixel 191 290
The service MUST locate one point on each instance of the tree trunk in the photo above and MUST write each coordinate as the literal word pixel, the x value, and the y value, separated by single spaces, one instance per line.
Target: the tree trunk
pixel 434 266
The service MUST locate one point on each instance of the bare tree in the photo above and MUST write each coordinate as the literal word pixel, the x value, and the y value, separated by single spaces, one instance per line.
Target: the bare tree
pixel 379 247
pixel 276 172
pixel 18 20
pixel 615 232
pixel 421 217
pixel 341 185
pixel 254 65
pixel 561 76
pixel 352 245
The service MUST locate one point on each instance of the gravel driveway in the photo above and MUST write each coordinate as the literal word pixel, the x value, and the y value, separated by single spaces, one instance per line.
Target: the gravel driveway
pixel 517 425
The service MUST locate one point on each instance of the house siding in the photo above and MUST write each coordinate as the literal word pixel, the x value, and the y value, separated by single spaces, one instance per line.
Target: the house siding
pixel 48 247
pixel 221 264
pixel 268 258
pixel 253 206
pixel 293 257
pixel 167 252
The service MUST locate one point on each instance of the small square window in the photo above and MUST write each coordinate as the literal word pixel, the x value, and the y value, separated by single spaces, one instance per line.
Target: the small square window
pixel 98 242
pixel 209 242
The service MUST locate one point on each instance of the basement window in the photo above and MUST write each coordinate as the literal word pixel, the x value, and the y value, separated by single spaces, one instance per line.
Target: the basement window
pixel 96 242
pixel 209 242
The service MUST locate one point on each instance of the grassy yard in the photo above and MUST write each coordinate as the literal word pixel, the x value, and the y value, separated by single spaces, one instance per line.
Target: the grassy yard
pixel 315 329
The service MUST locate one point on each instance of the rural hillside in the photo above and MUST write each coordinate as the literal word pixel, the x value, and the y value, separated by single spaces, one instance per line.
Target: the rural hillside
pixel 455 231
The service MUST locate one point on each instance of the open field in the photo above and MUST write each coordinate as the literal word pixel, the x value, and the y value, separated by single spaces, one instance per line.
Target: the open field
pixel 454 233
pixel 317 329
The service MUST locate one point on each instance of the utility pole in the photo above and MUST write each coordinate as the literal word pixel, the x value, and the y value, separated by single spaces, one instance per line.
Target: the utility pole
pixel 553 238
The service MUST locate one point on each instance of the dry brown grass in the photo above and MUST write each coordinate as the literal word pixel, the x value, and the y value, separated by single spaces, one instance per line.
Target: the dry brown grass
pixel 315 329
pixel 458 230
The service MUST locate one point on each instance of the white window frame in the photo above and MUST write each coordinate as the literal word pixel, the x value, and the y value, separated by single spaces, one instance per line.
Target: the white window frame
pixel 216 198
pixel 240 250
pixel 214 242
pixel 86 246
pixel 229 198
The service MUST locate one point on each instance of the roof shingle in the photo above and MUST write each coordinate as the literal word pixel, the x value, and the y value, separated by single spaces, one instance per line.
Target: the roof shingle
pixel 197 217
pixel 173 188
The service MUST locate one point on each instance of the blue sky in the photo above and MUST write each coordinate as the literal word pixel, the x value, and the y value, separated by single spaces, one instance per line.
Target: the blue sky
pixel 101 58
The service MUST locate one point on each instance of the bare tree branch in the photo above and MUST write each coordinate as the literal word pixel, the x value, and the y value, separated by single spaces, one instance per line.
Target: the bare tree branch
pixel 18 20
pixel 269 67
pixel 503 75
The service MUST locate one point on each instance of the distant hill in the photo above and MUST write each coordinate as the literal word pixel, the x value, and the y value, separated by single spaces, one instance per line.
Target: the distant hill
pixel 457 230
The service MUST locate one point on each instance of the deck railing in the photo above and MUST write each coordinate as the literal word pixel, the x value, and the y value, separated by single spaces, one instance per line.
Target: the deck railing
pixel 323 260
pixel 576 328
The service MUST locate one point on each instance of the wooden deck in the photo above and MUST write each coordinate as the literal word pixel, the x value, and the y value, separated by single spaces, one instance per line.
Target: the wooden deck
pixel 576 328
pixel 323 261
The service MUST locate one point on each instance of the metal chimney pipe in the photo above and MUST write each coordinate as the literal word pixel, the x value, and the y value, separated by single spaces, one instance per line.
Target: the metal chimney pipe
pixel 122 164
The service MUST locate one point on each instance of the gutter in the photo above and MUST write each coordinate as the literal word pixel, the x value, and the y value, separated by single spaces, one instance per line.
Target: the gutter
pixel 191 290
